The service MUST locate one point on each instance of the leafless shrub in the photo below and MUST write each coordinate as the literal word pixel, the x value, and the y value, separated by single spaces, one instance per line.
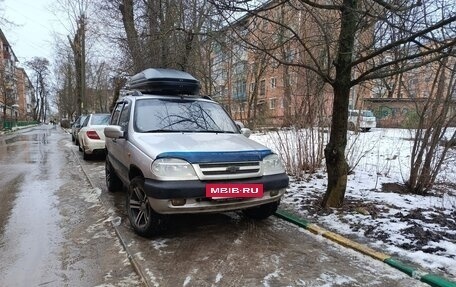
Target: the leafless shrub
pixel 357 148
pixel 435 117
pixel 301 150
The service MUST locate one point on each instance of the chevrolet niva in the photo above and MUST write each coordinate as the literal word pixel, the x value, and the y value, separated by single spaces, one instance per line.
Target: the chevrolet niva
pixel 181 153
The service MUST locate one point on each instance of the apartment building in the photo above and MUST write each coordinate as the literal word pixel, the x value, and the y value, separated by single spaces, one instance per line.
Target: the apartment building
pixel 16 90
pixel 8 92
pixel 25 92
pixel 260 66
pixel 268 68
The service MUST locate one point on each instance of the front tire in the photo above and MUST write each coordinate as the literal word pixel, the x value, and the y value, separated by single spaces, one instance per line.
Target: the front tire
pixel 113 182
pixel 144 220
pixel 263 211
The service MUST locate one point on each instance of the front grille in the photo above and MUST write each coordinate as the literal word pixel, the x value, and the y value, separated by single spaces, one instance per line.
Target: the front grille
pixel 230 168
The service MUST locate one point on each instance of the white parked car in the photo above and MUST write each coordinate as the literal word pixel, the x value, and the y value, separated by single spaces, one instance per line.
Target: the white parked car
pixel 91 135
pixel 362 120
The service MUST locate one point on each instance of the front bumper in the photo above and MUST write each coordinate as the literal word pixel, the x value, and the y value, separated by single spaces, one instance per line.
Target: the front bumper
pixel 368 124
pixel 160 194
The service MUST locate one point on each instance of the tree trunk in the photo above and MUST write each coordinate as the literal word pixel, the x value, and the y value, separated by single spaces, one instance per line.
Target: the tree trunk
pixel 76 47
pixel 128 19
pixel 336 163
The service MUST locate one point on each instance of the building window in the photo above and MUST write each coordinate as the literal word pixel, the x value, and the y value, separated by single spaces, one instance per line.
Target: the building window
pixel 239 90
pixel 262 88
pixel 290 56
pixel 273 83
pixel 240 68
pixel 272 104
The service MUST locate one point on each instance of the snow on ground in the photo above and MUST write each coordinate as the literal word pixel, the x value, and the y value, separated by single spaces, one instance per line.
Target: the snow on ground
pixel 420 230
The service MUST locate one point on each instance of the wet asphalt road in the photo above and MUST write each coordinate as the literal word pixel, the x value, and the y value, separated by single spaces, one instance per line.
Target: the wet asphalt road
pixel 52 225
pixel 61 228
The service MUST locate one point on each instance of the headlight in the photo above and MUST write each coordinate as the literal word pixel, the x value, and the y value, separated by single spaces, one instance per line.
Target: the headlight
pixel 272 165
pixel 173 169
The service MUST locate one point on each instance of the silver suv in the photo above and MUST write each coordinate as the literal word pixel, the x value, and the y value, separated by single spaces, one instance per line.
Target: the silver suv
pixel 171 147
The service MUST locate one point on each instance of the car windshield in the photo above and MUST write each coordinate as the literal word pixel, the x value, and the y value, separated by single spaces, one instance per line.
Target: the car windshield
pixel 367 114
pixel 181 115
pixel 100 119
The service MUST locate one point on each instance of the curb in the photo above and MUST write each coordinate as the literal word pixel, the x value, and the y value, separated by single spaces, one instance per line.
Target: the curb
pixel 431 279
pixel 131 258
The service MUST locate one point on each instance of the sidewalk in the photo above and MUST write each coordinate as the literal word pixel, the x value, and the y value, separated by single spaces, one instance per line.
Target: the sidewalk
pixel 3 131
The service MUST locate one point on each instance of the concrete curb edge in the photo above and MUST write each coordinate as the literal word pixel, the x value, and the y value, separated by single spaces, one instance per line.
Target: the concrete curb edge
pixel 431 279
pixel 130 257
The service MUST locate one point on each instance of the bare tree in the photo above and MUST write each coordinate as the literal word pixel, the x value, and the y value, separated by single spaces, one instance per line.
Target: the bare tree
pixel 65 84
pixel 255 117
pixel 433 137
pixel 87 74
pixel 7 92
pixel 78 46
pixel 159 33
pixel 356 38
pixel 99 86
pixel 40 68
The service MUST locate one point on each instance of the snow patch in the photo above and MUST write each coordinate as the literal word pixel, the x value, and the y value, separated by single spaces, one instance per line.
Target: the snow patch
pixel 90 195
pixel 152 277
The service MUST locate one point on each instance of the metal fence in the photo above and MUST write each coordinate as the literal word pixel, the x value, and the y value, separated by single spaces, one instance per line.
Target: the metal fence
pixel 9 125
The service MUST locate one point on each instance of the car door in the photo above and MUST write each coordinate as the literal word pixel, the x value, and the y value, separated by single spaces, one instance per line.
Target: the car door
pixel 118 148
pixel 81 131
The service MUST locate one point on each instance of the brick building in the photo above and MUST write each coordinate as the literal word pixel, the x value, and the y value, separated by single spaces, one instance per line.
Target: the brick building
pixel 397 101
pixel 16 90
pixel 267 68
pixel 260 66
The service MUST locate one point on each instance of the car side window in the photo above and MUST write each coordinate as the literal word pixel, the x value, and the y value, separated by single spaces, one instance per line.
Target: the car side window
pixel 86 122
pixel 124 116
pixel 116 114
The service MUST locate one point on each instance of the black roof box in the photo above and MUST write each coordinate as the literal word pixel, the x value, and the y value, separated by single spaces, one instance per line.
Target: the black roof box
pixel 164 82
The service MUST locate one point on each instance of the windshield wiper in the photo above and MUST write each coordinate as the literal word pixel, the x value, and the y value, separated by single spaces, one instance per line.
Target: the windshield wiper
pixel 188 131
pixel 161 131
pixel 217 132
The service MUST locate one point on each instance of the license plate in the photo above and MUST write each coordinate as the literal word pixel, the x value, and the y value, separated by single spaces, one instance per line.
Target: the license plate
pixel 234 190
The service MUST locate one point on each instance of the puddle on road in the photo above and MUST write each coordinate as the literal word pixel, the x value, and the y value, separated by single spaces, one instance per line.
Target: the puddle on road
pixel 30 236
pixel 25 147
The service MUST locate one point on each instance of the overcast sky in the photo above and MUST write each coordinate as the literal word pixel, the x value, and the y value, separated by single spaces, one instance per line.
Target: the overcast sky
pixel 35 25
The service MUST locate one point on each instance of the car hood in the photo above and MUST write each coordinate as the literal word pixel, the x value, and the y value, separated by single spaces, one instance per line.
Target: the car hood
pixel 202 147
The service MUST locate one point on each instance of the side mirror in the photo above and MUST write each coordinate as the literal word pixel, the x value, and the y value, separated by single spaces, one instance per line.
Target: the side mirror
pixel 239 125
pixel 246 132
pixel 113 132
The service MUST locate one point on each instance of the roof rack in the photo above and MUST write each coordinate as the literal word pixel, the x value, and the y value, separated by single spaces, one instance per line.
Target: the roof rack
pixel 164 82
